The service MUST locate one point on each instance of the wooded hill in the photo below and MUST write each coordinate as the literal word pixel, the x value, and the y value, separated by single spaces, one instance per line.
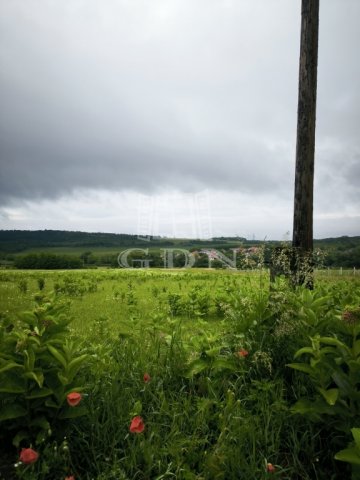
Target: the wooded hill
pixel 15 241
pixel 342 251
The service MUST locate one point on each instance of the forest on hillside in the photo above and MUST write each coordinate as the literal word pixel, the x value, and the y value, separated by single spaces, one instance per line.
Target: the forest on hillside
pixel 65 249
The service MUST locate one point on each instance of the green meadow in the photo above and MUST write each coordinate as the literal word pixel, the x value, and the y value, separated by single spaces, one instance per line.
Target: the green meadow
pixel 182 374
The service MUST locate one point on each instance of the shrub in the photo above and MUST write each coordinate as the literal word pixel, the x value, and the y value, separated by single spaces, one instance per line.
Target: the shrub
pixel 39 366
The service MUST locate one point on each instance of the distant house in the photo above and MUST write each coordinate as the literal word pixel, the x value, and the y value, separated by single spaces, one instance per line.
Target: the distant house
pixel 253 250
pixel 212 254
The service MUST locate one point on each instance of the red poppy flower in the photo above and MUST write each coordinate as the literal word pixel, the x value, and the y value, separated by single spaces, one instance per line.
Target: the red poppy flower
pixel 147 378
pixel 270 468
pixel 137 425
pixel 242 353
pixel 70 478
pixel 28 456
pixel 73 398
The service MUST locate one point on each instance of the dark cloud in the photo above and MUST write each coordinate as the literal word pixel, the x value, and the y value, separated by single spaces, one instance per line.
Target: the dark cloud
pixel 177 99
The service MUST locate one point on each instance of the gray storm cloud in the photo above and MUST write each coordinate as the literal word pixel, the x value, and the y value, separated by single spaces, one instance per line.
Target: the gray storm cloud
pixel 186 94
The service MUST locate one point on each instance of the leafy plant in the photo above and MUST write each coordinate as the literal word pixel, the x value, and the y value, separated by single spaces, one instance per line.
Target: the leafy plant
pixel 333 366
pixel 23 285
pixel 41 283
pixel 219 396
pixel 38 369
pixel 352 454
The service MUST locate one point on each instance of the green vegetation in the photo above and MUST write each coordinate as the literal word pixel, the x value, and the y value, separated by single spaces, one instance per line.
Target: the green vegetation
pixel 47 261
pixel 181 374
pixel 20 240
pixel 38 365
pixel 71 249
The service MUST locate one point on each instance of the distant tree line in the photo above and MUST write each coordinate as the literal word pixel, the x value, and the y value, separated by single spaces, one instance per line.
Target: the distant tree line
pixel 47 261
pixel 15 241
pixel 155 259
pixel 19 240
pixel 346 258
pixel 339 252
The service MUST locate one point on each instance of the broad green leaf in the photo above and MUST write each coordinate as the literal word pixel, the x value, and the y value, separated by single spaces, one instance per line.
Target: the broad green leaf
pixel 77 361
pixel 29 318
pixel 313 409
pixel 40 422
pixel 11 383
pixel 197 366
pixel 356 434
pixel 64 380
pixel 10 366
pixel 35 340
pixel 311 316
pixel 330 395
pixel 350 455
pixel 342 381
pixel 314 362
pixel 334 341
pixel 224 364
pixel 9 388
pixel 307 297
pixel 331 350
pixel 14 410
pixel 22 435
pixel 213 352
pixel 304 350
pixel 74 366
pixel 302 367
pixel 319 302
pixel 356 348
pixel 354 366
pixel 37 376
pixel 357 329
pixel 29 360
pixel 49 402
pixel 39 393
pixel 339 360
pixel 73 389
pixel 302 406
pixel 59 357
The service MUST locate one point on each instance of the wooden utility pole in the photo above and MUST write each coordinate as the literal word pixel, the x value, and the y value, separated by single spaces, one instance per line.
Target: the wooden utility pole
pixel 305 146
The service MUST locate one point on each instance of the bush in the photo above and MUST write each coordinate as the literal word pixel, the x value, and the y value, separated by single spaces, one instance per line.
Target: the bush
pixel 47 261
pixel 39 368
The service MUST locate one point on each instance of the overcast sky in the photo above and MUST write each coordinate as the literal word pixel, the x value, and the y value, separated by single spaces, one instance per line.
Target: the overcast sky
pixel 173 117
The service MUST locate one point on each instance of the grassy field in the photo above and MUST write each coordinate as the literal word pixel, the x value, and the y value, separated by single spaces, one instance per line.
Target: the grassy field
pixel 186 374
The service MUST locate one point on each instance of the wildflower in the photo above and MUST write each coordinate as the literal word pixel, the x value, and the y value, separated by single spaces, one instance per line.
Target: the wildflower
pixel 70 478
pixel 347 317
pixel 242 353
pixel 73 398
pixel 28 456
pixel 147 378
pixel 351 316
pixel 270 468
pixel 137 425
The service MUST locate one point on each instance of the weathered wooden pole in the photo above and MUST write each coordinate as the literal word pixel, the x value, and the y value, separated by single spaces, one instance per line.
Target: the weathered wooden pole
pixel 305 145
